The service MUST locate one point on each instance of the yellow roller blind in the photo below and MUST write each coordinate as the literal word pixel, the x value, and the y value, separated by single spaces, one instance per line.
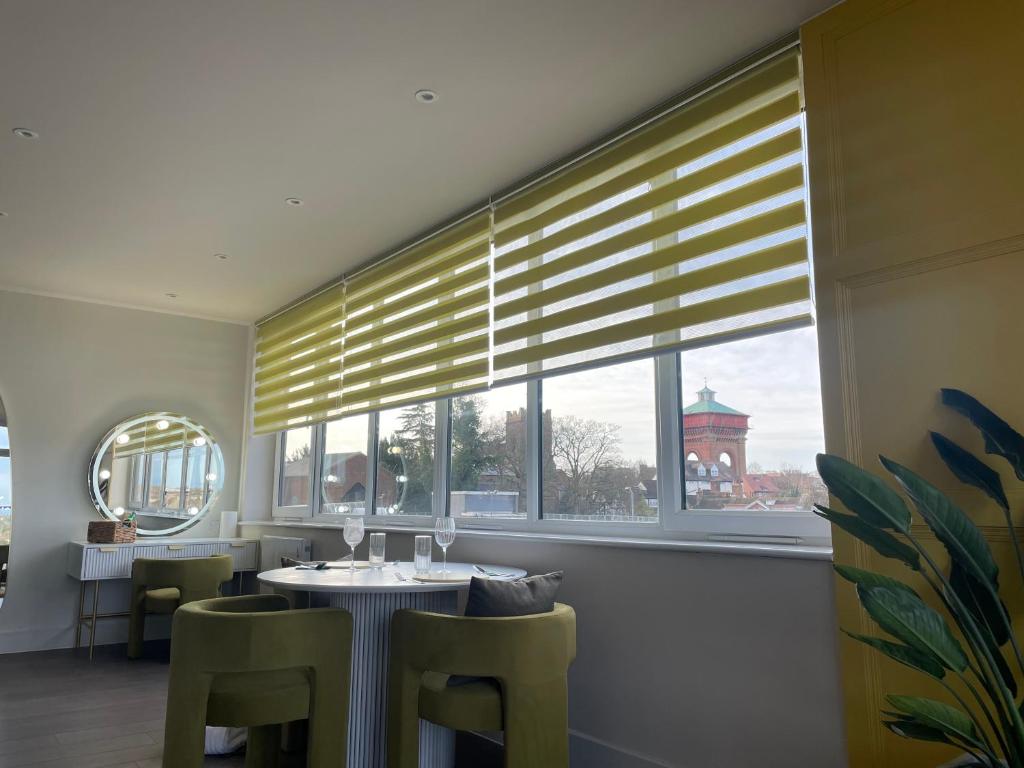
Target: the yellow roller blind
pixel 418 324
pixel 687 231
pixel 149 438
pixel 298 364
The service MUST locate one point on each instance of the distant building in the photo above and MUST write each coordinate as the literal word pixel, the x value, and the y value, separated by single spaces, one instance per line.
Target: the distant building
pixel 715 436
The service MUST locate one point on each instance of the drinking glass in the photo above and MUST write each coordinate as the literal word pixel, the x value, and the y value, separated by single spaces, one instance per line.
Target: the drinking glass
pixel 444 535
pixel 422 558
pixel 354 531
pixel 376 550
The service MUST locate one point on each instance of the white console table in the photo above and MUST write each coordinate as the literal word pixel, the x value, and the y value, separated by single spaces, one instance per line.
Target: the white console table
pixel 94 563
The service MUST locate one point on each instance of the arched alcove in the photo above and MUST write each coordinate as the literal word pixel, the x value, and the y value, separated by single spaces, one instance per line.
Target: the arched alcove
pixel 692 456
pixel 725 458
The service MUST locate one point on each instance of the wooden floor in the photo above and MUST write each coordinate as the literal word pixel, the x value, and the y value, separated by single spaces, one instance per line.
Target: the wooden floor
pixel 59 710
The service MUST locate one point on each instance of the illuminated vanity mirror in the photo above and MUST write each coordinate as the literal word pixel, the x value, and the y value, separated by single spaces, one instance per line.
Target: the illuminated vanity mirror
pixel 164 468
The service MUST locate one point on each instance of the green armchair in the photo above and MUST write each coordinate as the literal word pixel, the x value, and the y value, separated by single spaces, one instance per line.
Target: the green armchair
pixel 160 586
pixel 522 663
pixel 250 661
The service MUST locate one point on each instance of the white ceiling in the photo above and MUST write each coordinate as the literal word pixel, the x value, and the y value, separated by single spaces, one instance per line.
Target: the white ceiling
pixel 172 131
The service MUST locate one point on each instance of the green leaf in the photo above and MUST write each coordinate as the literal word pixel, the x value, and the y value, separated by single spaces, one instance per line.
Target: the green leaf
pixel 1000 438
pixel 935 714
pixel 882 542
pixel 904 654
pixel 908 619
pixel 870 578
pixel 961 537
pixel 910 729
pixel 969 469
pixel 986 613
pixel 864 494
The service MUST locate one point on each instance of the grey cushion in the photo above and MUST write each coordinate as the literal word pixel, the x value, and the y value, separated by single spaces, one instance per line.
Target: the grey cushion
pixel 522 597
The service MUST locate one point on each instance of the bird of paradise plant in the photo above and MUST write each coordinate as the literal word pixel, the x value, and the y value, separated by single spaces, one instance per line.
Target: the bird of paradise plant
pixel 982 715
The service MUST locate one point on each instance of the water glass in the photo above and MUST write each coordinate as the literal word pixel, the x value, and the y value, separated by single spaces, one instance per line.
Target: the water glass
pixel 376 550
pixel 353 534
pixel 423 552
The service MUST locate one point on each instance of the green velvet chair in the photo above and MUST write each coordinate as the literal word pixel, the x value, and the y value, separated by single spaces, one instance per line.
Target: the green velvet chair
pixel 251 662
pixel 160 586
pixel 523 661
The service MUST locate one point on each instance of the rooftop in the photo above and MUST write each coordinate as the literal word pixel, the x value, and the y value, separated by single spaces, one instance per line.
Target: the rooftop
pixel 706 403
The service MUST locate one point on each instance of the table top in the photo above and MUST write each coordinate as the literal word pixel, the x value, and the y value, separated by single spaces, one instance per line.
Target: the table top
pixel 393 577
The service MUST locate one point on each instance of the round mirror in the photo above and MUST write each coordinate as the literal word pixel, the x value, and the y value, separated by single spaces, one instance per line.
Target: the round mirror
pixel 163 468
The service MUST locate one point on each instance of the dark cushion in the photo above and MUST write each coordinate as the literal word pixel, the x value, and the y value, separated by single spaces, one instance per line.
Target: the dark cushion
pixel 522 597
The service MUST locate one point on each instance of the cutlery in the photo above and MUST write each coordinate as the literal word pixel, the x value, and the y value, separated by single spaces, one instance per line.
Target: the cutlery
pixel 485 572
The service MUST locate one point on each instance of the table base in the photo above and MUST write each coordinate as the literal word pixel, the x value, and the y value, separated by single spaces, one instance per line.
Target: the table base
pixel 371 638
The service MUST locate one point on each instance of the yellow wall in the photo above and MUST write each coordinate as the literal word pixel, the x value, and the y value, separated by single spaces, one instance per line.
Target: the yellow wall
pixel 915 115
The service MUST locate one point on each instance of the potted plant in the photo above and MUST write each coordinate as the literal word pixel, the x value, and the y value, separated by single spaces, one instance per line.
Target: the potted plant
pixel 982 658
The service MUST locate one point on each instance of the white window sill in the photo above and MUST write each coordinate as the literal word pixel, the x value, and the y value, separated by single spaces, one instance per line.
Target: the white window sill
pixel 796 552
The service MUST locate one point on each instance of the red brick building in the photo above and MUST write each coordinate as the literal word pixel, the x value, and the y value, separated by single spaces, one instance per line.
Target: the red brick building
pixel 715 434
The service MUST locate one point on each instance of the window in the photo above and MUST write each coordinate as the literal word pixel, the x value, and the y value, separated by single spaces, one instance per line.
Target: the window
pixel 156 480
pixel 487 470
pixel 405 475
pixel 599 445
pixel 296 479
pixel 344 483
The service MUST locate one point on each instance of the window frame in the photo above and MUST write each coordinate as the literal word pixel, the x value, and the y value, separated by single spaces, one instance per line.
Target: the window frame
pixel 674 521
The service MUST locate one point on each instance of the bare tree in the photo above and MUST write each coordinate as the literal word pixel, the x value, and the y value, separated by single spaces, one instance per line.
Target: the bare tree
pixel 584 450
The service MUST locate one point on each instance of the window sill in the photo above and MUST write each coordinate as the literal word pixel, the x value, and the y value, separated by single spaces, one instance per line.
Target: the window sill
pixel 795 552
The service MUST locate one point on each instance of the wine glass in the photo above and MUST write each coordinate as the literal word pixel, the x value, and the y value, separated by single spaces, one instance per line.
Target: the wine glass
pixel 354 530
pixel 444 535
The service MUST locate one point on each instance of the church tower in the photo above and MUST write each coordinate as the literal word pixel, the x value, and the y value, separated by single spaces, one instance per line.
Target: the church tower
pixel 711 429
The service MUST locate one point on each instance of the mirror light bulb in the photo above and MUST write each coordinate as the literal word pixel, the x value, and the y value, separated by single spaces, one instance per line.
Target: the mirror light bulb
pixel 193 511
pixel 331 478
pixel 395 449
pixel 104 474
pixel 402 479
pixel 122 439
pixel 211 476
pixel 118 511
pixel 344 508
pixel 199 442
pixel 163 424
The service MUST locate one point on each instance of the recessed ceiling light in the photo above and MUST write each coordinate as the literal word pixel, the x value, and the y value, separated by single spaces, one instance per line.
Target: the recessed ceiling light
pixel 3 213
pixel 293 201
pixel 25 133
pixel 171 295
pixel 425 96
pixel 221 256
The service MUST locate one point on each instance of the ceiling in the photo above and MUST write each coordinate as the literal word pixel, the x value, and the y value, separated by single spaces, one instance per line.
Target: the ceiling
pixel 173 131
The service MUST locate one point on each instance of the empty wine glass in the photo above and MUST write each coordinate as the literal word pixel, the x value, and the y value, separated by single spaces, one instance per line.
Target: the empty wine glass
pixel 354 530
pixel 444 535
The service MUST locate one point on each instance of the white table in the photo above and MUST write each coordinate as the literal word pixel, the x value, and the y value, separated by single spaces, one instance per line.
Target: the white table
pixel 372 596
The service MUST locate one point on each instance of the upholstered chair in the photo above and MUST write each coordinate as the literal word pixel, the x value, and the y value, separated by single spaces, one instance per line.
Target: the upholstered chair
pixel 251 662
pixel 160 586
pixel 518 666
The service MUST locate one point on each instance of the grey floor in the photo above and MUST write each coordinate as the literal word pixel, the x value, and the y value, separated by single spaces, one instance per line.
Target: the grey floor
pixel 58 709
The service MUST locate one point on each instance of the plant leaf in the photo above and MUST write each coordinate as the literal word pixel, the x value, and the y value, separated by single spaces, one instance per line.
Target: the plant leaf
pixel 1000 438
pixel 904 654
pixel 870 578
pixel 864 494
pixel 986 614
pixel 961 537
pixel 910 729
pixel 907 618
pixel 935 714
pixel 882 542
pixel 969 469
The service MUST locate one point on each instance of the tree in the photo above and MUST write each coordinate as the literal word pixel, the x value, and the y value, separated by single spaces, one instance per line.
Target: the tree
pixel 470 454
pixel 585 451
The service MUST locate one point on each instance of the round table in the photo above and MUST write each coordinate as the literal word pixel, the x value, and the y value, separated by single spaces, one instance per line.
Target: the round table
pixel 371 595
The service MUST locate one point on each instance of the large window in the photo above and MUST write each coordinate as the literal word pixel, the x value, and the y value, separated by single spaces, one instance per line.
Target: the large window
pixel 405 454
pixel 599 459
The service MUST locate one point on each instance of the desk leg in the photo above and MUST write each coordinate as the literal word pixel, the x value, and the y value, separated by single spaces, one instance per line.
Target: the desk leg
pixel 81 610
pixel 95 610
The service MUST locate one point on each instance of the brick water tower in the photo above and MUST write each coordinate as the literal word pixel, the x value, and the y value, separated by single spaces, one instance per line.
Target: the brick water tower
pixel 711 430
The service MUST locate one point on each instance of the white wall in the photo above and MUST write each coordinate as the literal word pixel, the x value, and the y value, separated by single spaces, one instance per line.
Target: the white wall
pixel 684 659
pixel 69 371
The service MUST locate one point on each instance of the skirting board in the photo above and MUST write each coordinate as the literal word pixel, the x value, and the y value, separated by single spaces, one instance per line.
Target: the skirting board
pixel 587 752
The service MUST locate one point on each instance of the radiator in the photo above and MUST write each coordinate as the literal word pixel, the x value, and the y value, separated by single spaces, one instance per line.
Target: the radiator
pixel 273 548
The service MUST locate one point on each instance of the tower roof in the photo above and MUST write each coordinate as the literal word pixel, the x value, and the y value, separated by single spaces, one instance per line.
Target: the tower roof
pixel 706 403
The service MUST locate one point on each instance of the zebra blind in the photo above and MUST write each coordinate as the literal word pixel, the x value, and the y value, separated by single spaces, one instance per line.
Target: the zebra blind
pixel 298 364
pixel 689 231
pixel 417 324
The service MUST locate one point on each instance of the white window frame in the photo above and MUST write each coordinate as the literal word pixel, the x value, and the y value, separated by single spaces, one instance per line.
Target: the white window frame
pixel 674 521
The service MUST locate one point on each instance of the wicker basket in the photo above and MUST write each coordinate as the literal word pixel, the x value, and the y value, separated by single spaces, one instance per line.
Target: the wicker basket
pixel 112 532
